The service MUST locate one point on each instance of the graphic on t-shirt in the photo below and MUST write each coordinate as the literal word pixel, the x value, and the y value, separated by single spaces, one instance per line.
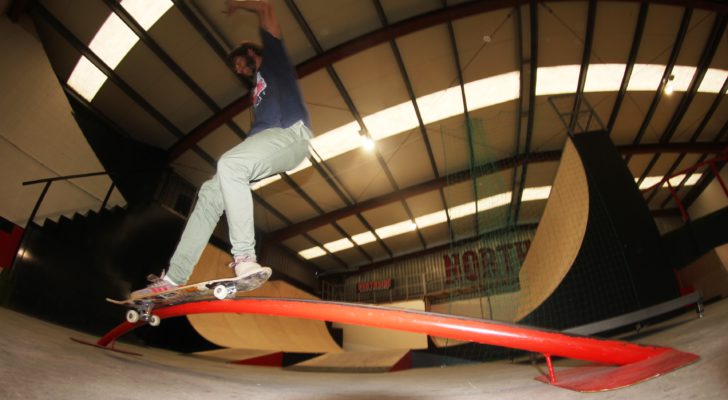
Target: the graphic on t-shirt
pixel 259 89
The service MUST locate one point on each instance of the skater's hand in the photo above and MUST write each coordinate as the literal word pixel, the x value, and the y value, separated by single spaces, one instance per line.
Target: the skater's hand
pixel 267 17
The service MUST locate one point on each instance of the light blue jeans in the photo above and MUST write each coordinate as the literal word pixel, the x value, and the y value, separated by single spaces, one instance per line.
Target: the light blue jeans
pixel 266 153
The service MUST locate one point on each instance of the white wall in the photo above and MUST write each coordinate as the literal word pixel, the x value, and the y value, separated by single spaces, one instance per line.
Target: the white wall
pixel 712 199
pixel 38 136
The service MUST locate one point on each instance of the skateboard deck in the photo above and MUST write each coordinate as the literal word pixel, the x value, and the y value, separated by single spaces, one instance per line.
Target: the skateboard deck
pixel 141 308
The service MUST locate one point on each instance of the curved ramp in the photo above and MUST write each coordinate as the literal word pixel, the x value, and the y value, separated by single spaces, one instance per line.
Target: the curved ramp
pixel 634 363
pixel 260 332
pixel 553 250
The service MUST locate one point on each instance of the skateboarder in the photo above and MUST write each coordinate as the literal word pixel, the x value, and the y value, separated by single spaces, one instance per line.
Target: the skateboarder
pixel 277 142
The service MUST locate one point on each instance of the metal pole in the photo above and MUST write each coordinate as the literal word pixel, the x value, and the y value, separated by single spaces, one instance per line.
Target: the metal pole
pixel 37 204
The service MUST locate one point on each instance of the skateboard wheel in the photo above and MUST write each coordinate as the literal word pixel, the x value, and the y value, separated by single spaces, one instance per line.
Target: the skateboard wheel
pixel 132 316
pixel 154 320
pixel 220 292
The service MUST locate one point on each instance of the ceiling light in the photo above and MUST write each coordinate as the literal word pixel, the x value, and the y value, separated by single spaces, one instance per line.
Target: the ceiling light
pixel 669 88
pixel 367 143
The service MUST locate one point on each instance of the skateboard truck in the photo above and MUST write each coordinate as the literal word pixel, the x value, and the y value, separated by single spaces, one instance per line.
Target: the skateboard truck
pixel 143 312
pixel 223 290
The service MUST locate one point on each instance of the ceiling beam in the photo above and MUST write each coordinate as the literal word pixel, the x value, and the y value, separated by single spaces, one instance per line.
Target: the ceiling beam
pixel 585 59
pixel 708 116
pixel 533 77
pixel 328 176
pixel 706 58
pixel 462 176
pixel 77 44
pixel 383 35
pixel 677 45
pixel 167 60
pixel 631 59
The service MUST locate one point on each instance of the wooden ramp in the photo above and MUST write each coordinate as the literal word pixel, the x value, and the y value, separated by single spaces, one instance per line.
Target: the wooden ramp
pixel 243 356
pixel 261 332
pixel 553 250
pixel 358 361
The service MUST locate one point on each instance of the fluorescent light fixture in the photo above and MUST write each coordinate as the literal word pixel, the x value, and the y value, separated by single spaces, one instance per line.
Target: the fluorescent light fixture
pixel 313 252
pixel 339 245
pixel 367 143
pixel 112 43
pixel 669 87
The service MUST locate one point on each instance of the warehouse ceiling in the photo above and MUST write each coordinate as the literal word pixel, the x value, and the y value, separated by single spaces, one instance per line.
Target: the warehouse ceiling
pixel 426 113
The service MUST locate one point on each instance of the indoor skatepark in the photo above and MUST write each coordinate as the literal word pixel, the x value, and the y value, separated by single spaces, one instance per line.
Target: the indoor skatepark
pixel 544 189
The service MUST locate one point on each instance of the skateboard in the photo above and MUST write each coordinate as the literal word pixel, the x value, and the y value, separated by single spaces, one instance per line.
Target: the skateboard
pixel 140 308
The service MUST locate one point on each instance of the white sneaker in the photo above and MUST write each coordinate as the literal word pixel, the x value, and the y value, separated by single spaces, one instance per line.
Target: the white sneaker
pixel 159 284
pixel 245 266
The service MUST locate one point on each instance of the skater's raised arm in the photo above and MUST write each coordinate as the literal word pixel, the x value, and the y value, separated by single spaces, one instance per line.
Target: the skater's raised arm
pixel 266 15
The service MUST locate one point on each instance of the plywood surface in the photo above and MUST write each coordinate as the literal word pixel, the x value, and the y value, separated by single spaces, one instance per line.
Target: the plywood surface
pixel 260 332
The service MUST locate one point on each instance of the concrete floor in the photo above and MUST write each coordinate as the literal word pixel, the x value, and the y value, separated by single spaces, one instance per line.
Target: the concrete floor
pixel 38 361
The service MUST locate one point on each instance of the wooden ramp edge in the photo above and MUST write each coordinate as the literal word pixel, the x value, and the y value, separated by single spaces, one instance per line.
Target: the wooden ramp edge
pixel 358 361
pixel 243 357
pixel 261 332
pixel 553 250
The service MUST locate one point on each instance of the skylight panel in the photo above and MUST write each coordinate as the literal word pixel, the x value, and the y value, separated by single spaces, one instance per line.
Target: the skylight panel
pixel 604 77
pixel 713 80
pixel 557 80
pixel 431 219
pixel 493 90
pixel 391 121
pixel 311 253
pixel 112 43
pixel 396 229
pixel 339 245
pixel 536 193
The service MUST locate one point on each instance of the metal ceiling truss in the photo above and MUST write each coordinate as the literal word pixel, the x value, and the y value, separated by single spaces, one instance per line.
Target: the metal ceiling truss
pixel 329 177
pixel 170 63
pixel 698 131
pixel 682 32
pixel 465 175
pixel 532 63
pixel 61 29
pixel 636 40
pixel 325 59
pixel 706 59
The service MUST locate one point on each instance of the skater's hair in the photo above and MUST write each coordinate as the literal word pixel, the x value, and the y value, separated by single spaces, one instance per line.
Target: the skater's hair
pixel 242 51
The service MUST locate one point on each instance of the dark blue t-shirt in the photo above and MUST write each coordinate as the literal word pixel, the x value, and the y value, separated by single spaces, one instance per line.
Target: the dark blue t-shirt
pixel 277 101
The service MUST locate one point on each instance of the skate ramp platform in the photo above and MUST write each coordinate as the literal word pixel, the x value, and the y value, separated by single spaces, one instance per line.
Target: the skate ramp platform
pixel 552 253
pixel 358 361
pixel 259 332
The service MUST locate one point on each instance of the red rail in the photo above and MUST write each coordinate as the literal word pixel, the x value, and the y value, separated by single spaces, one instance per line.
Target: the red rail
pixel 454 327
pixel 636 362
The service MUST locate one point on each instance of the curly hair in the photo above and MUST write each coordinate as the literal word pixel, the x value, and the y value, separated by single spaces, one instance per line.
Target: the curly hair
pixel 242 51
